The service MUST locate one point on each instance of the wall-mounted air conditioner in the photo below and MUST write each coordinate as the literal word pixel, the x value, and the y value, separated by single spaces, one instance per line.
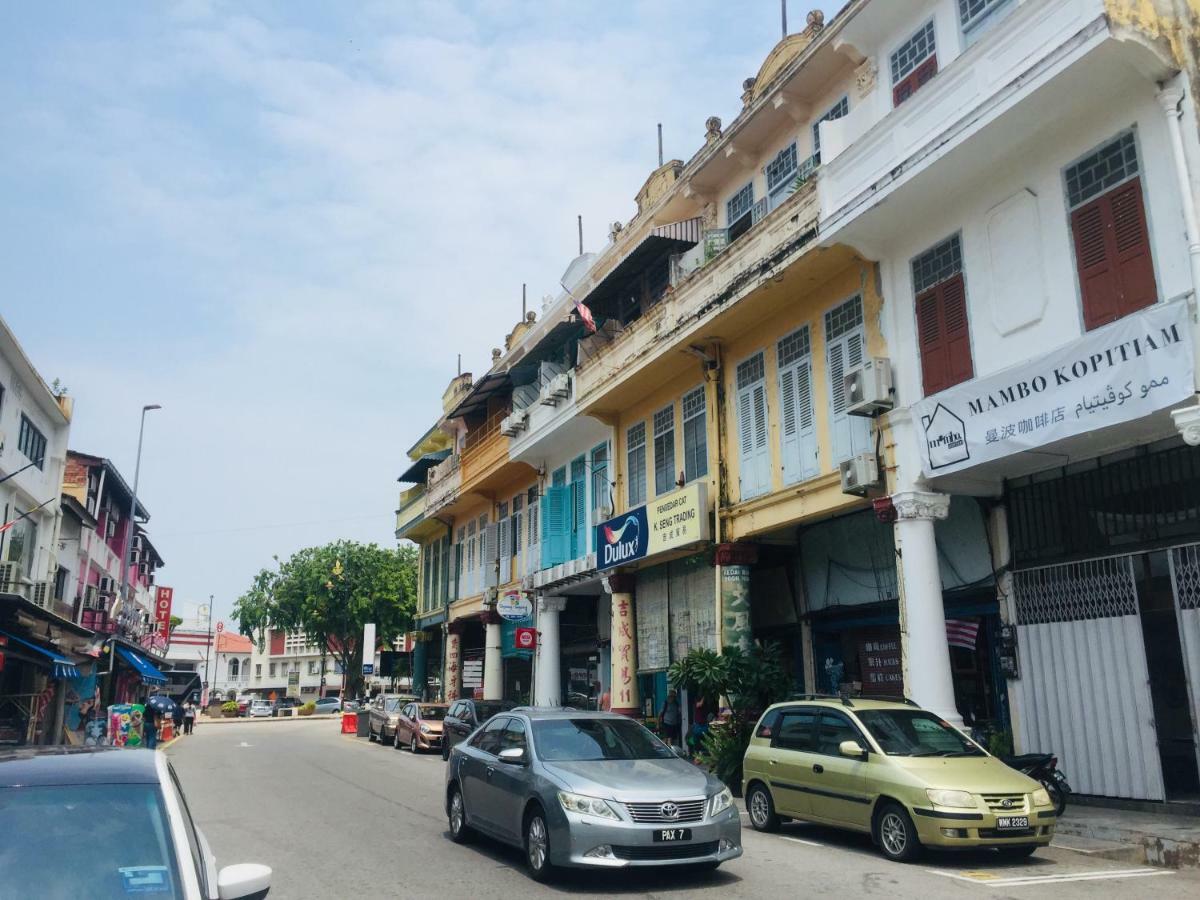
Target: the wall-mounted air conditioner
pixel 41 593
pixel 110 527
pixel 869 387
pixel 860 474
pixel 514 423
pixel 557 388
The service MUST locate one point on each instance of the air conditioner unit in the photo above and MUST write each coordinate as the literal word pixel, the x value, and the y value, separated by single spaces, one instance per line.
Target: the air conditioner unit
pixel 41 593
pixel 869 387
pixel 557 388
pixel 91 598
pixel 859 474
pixel 137 543
pixel 106 584
pixel 514 423
pixel 110 527
pixel 8 576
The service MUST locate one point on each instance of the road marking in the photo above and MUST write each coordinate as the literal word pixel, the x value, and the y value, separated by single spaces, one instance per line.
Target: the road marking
pixel 244 744
pixel 993 879
pixel 801 841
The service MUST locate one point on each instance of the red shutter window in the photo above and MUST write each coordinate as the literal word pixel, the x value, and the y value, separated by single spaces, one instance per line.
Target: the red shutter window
pixel 913 63
pixel 276 642
pixel 943 332
pixel 1112 241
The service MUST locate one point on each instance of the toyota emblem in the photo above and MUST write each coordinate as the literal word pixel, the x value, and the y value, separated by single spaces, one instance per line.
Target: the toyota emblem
pixel 669 810
pixel 1007 803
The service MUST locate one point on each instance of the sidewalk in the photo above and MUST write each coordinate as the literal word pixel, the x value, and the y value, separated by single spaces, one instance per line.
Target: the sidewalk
pixel 1157 839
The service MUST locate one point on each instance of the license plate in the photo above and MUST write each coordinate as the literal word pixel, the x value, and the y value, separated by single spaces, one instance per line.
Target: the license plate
pixel 673 834
pixel 1006 822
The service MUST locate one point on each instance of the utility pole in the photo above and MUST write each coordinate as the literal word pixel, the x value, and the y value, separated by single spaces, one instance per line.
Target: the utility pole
pixel 127 544
pixel 207 651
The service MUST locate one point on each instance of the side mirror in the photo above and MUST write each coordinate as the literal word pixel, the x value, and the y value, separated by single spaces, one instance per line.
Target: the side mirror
pixel 245 881
pixel 852 749
pixel 514 756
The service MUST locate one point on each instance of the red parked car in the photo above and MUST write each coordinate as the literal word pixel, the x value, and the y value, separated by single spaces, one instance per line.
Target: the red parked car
pixel 419 726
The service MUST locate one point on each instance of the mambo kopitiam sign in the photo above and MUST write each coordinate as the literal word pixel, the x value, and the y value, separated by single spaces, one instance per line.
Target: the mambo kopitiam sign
pixel 1123 371
pixel 665 523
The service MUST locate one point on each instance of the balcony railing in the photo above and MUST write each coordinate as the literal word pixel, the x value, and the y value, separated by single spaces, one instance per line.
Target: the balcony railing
pixel 484 449
pixel 443 483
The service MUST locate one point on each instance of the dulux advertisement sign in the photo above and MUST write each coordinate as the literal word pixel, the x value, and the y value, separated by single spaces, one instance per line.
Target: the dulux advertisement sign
pixel 623 539
pixel 673 520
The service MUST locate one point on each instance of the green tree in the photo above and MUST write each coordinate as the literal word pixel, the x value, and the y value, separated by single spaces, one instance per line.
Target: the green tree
pixel 330 593
pixel 175 622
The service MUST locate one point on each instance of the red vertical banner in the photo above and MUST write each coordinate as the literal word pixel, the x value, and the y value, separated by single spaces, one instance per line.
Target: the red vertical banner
pixel 162 612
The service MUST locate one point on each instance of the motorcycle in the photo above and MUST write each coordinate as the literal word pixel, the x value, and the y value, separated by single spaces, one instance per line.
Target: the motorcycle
pixel 1043 768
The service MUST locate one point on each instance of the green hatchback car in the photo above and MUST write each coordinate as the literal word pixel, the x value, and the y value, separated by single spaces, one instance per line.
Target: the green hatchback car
pixel 893 770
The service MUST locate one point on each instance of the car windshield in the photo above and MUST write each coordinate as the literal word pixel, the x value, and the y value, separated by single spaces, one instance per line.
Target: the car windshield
pixel 391 705
pixel 91 840
pixel 434 713
pixel 566 740
pixel 915 732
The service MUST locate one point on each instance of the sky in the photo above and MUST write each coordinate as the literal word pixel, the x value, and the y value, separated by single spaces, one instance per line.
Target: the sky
pixel 283 221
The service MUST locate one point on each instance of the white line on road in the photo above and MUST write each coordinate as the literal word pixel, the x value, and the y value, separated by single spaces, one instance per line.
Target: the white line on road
pixel 801 841
pixel 984 879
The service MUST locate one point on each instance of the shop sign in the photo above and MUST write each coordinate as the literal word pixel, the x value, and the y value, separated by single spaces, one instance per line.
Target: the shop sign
pixel 880 664
pixel 526 638
pixel 293 688
pixel 1121 372
pixel 673 520
pixel 514 606
pixel 162 612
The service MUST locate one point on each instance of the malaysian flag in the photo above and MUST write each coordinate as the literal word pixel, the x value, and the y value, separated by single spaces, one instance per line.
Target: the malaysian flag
pixel 584 313
pixel 961 633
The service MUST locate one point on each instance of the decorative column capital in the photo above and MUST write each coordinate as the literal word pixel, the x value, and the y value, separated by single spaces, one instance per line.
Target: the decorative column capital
pixel 921 505
pixel 737 554
pixel 552 604
pixel 1187 420
pixel 1169 99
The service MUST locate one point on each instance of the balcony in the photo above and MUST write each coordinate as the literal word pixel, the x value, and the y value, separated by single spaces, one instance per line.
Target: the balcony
pixel 553 422
pixel 412 509
pixel 608 380
pixel 444 482
pixel 484 451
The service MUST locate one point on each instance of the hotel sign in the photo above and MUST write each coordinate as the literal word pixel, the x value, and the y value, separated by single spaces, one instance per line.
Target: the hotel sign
pixel 1123 371
pixel 163 597
pixel 666 523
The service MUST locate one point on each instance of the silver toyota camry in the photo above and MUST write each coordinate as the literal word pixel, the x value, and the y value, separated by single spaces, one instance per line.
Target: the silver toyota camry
pixel 587 789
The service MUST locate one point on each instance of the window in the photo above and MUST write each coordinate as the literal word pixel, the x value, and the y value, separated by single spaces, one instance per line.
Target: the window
pixel 488 740
pixel 504 543
pixel 601 499
pixel 312 667
pixel 664 450
pixel 31 442
pixel 258 670
pixel 1112 241
pixel 754 470
pixel 737 212
pixel 832 730
pixel 781 173
pixel 943 335
pixel 513 737
pixel 845 344
pixel 272 670
pixel 579 519
pixel 470 573
pixel 518 522
pixel 799 449
pixel 635 463
pixel 839 109
pixel 233 669
pixel 913 63
pixel 973 14
pixel 695 435
pixel 795 730
pixel 532 527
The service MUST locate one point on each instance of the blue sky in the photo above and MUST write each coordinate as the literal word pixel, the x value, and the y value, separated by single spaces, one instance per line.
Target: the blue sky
pixel 283 221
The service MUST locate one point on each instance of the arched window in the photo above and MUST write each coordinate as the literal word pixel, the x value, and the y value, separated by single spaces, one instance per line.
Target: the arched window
pixel 233 669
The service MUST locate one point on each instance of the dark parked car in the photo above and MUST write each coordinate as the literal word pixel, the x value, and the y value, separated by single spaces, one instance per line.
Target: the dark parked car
pixel 464 716
pixel 52 798
pixel 285 703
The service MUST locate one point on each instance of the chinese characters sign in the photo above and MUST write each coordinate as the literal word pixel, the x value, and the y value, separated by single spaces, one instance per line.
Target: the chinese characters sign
pixel 162 612
pixel 624 669
pixel 1121 372
pixel 880 663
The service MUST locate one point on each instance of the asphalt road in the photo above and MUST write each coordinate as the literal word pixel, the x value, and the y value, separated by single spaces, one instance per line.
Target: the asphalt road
pixel 336 817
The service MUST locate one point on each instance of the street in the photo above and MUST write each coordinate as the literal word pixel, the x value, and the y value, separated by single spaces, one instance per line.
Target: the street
pixel 336 816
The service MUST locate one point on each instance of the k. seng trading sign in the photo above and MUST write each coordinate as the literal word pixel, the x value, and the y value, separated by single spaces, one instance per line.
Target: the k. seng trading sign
pixel 1121 372
pixel 665 523
pixel 162 611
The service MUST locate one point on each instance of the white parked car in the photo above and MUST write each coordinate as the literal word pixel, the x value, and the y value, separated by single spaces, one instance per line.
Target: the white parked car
pixel 261 709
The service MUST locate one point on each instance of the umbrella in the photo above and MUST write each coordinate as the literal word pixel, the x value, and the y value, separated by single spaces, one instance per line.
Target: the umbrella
pixel 164 705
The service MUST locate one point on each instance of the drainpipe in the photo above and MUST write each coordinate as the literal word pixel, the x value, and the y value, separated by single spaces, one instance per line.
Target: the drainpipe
pixel 717 380
pixel 1171 99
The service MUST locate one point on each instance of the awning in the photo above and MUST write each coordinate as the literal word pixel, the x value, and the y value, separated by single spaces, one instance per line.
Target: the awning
pixel 144 667
pixel 664 240
pixel 481 391
pixel 415 474
pixel 60 665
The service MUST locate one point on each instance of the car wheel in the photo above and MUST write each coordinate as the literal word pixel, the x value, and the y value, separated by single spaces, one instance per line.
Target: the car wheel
pixel 445 752
pixel 412 746
pixel 370 734
pixel 460 832
pixel 396 739
pixel 895 833
pixel 537 845
pixel 1017 852
pixel 761 808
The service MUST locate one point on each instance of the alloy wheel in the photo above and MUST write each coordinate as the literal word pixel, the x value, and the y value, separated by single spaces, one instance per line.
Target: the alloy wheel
pixel 456 814
pixel 893 834
pixel 536 843
pixel 758 809
pixel 412 745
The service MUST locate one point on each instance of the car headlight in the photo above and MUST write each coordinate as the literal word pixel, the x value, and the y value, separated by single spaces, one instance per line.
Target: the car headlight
pixel 951 798
pixel 1041 797
pixel 586 806
pixel 424 728
pixel 720 802
pixel 392 720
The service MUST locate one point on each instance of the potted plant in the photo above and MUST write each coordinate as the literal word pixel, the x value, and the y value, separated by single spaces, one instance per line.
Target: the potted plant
pixel 307 709
pixel 229 709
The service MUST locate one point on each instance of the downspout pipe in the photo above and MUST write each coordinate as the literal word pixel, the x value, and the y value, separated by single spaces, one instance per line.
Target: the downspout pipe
pixel 1171 99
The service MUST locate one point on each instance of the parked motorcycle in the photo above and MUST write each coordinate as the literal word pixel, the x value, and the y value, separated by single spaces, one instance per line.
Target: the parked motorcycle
pixel 1043 768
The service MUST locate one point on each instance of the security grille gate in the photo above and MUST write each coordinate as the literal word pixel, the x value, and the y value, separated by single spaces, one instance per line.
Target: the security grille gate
pixel 1084 693
pixel 1185 581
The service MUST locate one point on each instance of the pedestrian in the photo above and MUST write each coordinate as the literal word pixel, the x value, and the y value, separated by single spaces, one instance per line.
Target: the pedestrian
pixel 670 717
pixel 150 728
pixel 189 717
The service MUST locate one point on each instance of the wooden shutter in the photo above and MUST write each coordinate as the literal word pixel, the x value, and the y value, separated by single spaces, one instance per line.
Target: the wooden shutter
pixel 491 544
pixel 799 444
pixel 754 475
pixel 944 335
pixel 914 80
pixel 556 526
pixel 850 435
pixel 1112 254
pixel 505 550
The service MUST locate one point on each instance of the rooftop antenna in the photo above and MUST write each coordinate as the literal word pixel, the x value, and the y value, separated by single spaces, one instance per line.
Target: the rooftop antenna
pixel 783 14
pixel 579 220
pixel 660 145
pixel 460 364
pixel 523 307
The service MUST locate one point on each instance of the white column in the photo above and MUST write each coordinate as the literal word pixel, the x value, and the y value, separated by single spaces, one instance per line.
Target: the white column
pixel 548 680
pixel 493 665
pixel 926 655
pixel 1171 101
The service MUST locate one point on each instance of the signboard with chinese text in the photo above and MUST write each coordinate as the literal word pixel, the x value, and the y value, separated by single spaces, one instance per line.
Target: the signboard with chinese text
pixel 162 611
pixel 880 664
pixel 1120 372
pixel 624 670
pixel 673 520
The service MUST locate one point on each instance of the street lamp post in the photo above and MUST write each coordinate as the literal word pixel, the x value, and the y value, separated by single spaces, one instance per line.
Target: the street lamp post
pixel 127 543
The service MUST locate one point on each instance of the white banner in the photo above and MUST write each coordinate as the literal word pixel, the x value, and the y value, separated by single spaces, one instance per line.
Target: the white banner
pixel 368 647
pixel 1123 371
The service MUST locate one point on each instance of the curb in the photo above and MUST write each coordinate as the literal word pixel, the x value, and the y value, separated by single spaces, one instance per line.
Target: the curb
pixel 242 720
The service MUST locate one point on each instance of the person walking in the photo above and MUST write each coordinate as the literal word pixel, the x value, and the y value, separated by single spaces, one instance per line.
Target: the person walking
pixel 670 717
pixel 150 728
pixel 189 717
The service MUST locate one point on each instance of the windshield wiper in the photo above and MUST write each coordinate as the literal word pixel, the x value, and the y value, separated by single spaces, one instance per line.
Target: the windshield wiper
pixel 928 753
pixel 950 753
